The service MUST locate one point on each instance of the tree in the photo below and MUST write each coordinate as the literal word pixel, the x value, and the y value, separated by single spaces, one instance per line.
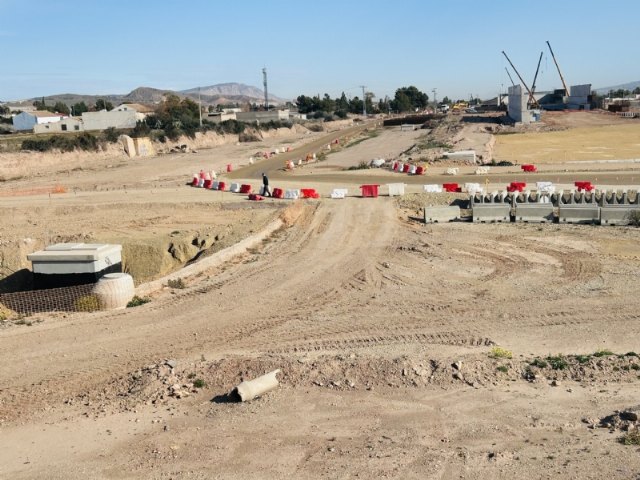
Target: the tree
pixel 355 105
pixel 409 99
pixel 342 103
pixel 102 104
pixel 4 110
pixel 305 104
pixel 79 108
pixel 327 104
pixel 636 91
pixel 446 100
pixel 60 107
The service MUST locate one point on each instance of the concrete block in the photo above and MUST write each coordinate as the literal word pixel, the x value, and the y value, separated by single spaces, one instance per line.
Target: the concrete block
pixel 144 147
pixel 617 214
pixel 491 213
pixel 576 213
pixel 441 214
pixel 535 213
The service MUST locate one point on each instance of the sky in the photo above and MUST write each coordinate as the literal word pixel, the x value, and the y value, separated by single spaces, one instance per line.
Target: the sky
pixel 312 47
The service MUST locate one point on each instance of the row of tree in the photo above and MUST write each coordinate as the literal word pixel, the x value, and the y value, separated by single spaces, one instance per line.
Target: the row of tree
pixel 621 93
pixel 76 109
pixel 406 99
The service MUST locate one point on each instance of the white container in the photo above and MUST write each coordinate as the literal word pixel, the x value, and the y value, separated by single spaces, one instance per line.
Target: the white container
pixel 396 189
pixel 235 187
pixel 215 185
pixel 339 193
pixel 452 171
pixel 412 170
pixel 292 194
pixel 432 188
pixel 114 290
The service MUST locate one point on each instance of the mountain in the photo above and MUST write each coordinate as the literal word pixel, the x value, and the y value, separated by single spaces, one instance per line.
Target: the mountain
pixel 232 91
pixel 223 93
pixel 625 86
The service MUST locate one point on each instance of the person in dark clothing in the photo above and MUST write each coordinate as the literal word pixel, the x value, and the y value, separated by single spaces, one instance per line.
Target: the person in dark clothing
pixel 265 185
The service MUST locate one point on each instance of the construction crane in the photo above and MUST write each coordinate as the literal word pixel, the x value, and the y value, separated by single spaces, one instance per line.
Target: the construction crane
pixel 512 82
pixel 564 85
pixel 532 99
pixel 535 77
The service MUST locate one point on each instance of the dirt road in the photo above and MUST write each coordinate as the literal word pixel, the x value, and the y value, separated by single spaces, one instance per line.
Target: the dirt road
pixel 353 303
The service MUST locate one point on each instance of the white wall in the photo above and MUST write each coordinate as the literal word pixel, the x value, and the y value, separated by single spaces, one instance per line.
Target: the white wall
pixel 103 119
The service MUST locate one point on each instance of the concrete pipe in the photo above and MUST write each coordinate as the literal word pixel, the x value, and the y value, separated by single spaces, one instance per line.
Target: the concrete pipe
pixel 248 390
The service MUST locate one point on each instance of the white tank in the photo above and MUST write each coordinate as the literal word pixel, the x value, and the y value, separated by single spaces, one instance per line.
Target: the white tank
pixel 114 290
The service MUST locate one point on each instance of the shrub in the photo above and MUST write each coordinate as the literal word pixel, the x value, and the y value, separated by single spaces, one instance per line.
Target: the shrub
pixel 177 283
pixel 631 438
pixel 603 353
pixel 111 135
pixel 199 383
pixel 538 362
pixel 558 362
pixel 136 301
pixel 582 359
pixel 340 114
pixel 87 303
pixel 502 368
pixel 315 127
pixel 361 166
pixel 499 352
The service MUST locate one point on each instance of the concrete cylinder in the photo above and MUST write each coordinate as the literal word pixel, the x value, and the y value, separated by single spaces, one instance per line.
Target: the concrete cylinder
pixel 248 390
pixel 114 290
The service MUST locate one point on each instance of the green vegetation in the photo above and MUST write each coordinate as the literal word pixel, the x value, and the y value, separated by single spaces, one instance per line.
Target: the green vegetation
pixel 177 283
pixel 363 165
pixel 199 383
pixel 136 301
pixel 65 143
pixel 431 143
pixel 631 438
pixel 87 303
pixel 558 362
pixel 603 353
pixel 538 362
pixel 502 368
pixel 499 352
pixel 582 359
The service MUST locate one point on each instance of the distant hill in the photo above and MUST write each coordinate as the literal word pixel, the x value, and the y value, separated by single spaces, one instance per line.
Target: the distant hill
pixel 223 93
pixel 625 86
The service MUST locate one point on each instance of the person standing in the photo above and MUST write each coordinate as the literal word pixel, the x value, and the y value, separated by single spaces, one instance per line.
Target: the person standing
pixel 265 185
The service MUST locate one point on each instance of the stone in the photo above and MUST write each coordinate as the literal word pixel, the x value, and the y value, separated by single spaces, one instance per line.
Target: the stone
pixel 630 416
pixel 171 363
pixel 555 383
pixel 457 365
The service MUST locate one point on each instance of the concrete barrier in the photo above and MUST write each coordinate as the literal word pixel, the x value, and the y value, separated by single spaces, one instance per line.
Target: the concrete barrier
pixel 535 213
pixel 490 213
pixel 441 214
pixel 617 214
pixel 586 213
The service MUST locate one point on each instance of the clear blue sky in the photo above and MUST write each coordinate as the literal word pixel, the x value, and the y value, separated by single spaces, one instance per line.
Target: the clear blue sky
pixel 309 47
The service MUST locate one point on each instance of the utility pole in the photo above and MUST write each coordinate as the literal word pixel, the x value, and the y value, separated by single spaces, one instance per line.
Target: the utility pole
pixel 364 101
pixel 435 103
pixel 200 107
pixel 266 94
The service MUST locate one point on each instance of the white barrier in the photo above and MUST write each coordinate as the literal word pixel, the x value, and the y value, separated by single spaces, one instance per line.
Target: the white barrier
pixel 432 188
pixel 339 193
pixel 377 162
pixel 452 171
pixel 482 170
pixel 292 194
pixel 396 189
pixel 215 185
pixel 235 187
pixel 200 182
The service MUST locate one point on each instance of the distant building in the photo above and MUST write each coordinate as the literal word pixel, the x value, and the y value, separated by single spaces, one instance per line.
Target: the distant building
pixel 123 116
pixel 217 117
pixel 27 120
pixel 71 124
pixel 262 117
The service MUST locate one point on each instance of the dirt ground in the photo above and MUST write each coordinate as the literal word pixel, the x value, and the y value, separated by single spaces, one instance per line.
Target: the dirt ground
pixel 386 331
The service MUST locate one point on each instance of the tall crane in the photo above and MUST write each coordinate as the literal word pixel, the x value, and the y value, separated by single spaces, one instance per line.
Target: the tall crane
pixel 531 97
pixel 512 82
pixel 535 77
pixel 564 85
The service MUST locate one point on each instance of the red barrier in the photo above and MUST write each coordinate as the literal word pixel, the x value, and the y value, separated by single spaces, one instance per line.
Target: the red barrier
pixel 207 183
pixel 450 187
pixel 255 197
pixel 278 193
pixel 529 168
pixel 584 186
pixel 229 167
pixel 308 193
pixel 405 168
pixel 395 166
pixel 222 186
pixel 194 182
pixel 420 171
pixel 369 190
pixel 245 188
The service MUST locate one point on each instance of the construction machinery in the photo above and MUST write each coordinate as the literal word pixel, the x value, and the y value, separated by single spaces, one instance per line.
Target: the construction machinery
pixel 564 85
pixel 532 99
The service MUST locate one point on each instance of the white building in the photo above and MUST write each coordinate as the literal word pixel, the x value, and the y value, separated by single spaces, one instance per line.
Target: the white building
pixel 123 116
pixel 27 120
pixel 71 124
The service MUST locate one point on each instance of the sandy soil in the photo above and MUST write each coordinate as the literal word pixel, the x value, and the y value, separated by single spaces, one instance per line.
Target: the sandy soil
pixel 383 327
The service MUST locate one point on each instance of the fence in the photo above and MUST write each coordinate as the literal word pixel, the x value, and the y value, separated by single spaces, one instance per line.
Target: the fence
pixel 78 298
